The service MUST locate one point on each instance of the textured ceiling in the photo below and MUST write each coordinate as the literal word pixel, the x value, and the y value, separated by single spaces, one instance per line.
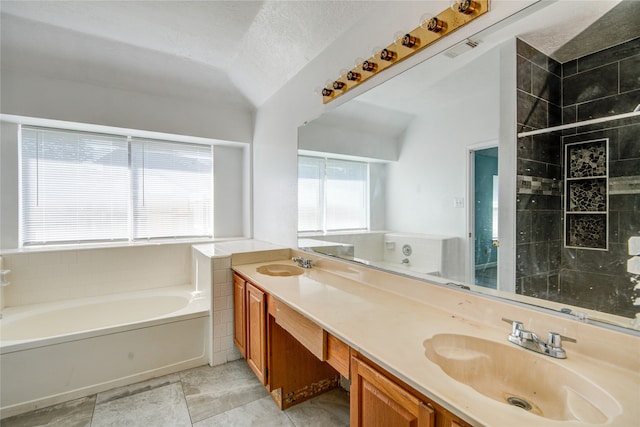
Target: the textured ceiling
pixel 240 50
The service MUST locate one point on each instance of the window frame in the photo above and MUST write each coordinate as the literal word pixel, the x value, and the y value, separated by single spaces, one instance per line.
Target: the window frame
pixel 323 202
pixel 130 239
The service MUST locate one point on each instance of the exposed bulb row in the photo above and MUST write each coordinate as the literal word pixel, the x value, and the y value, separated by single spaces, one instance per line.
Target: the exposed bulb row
pixel 427 22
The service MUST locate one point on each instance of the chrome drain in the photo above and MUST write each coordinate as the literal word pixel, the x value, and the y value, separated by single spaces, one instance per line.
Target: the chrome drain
pixel 520 403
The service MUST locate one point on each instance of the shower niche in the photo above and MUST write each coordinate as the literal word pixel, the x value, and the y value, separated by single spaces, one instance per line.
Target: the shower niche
pixel 586 194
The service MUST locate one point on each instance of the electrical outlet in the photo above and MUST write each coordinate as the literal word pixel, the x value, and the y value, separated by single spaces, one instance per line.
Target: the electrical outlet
pixel 458 202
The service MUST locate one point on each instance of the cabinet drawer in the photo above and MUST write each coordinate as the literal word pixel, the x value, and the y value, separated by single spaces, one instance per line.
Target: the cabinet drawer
pixel 338 355
pixel 308 333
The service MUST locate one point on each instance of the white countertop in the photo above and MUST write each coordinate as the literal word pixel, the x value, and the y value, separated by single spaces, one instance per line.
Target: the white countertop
pixel 390 329
pixel 228 248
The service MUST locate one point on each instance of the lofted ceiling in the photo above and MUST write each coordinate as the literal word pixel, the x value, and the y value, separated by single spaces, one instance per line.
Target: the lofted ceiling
pixel 241 52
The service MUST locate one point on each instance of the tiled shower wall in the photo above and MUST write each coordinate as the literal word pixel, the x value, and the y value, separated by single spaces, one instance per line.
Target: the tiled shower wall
pixel 601 84
pixel 539 174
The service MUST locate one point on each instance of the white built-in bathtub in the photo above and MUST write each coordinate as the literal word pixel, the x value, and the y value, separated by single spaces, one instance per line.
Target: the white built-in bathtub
pixel 53 352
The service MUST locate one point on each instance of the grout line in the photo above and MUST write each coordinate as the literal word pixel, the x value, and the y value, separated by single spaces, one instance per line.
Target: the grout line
pixel 184 397
pixel 93 412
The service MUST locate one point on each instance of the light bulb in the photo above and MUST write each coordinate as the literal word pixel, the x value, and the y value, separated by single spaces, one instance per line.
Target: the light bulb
pixel 353 76
pixel 463 6
pixel 397 37
pixel 409 40
pixel 387 55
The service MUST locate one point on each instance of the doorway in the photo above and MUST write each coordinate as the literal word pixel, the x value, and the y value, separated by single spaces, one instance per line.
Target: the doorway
pixel 483 213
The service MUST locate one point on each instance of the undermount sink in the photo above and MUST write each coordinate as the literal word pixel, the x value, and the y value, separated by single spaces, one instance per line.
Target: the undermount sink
pixel 280 270
pixel 518 377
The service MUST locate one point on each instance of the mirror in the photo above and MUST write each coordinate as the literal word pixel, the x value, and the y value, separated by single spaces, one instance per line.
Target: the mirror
pixel 472 153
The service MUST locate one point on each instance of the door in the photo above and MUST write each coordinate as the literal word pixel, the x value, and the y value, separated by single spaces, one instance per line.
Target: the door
pixel 378 401
pixel 256 332
pixel 484 216
pixel 239 325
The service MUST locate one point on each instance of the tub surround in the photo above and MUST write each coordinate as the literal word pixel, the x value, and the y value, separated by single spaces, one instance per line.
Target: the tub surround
pixel 212 265
pixel 62 274
pixel 387 318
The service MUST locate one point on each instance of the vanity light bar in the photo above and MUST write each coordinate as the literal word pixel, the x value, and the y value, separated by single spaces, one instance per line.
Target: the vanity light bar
pixel 460 13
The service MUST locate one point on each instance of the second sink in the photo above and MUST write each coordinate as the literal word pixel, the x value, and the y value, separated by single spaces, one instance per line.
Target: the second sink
pixel 521 378
pixel 280 270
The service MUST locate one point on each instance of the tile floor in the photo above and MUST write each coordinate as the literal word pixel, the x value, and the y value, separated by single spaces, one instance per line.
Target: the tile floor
pixel 225 395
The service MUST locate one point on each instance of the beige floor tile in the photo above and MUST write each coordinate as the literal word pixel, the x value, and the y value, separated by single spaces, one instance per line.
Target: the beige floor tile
pixel 330 409
pixel 259 413
pixel 212 391
pixel 130 390
pixel 75 413
pixel 159 407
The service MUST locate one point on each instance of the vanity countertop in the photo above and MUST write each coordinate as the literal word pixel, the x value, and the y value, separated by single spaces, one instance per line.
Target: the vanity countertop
pixel 390 329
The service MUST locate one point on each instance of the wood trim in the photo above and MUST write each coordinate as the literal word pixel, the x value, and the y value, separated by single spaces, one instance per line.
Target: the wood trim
pixel 391 389
pixel 426 415
pixel 338 355
pixel 310 334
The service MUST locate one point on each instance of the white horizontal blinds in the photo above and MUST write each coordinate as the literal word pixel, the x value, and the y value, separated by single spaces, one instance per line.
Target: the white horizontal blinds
pixel 74 186
pixel 310 193
pixel 346 195
pixel 172 187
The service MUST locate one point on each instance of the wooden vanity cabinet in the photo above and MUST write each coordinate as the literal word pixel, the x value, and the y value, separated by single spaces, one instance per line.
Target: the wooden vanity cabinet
pixel 379 399
pixel 296 359
pixel 283 348
pixel 249 325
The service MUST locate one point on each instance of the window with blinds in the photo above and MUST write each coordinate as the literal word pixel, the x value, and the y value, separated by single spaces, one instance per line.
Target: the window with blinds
pixel 83 187
pixel 333 194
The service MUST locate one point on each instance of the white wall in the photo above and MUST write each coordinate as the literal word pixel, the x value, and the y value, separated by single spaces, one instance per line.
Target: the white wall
pixel 432 169
pixel 275 136
pixel 230 206
pixel 8 185
pixel 350 142
pixel 24 93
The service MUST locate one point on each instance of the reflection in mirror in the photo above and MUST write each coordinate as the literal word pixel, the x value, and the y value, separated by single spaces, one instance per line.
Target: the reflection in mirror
pixel 563 230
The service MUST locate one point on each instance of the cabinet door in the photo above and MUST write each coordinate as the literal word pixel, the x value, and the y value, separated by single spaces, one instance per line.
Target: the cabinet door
pixel 377 401
pixel 239 312
pixel 256 341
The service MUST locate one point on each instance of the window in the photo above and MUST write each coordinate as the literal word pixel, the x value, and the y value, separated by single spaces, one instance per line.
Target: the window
pixel 83 187
pixel 333 194
pixel 172 186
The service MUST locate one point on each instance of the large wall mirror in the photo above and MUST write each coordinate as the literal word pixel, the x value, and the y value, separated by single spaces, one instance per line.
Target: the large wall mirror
pixel 508 164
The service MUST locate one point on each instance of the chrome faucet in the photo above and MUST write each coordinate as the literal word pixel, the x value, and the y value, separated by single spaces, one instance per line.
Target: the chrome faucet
pixel 530 341
pixel 304 263
pixel 405 261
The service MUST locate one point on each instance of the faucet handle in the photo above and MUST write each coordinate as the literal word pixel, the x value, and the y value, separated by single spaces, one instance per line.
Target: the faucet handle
pixel 517 328
pixel 554 339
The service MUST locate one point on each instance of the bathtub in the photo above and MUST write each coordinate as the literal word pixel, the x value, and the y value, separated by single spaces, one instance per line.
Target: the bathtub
pixel 54 352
